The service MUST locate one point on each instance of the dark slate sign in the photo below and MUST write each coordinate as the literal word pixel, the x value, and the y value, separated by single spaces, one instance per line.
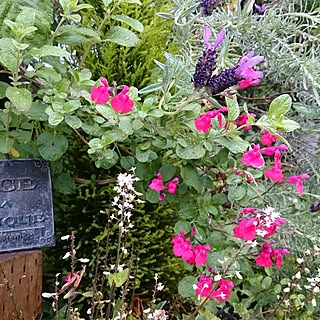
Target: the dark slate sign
pixel 26 211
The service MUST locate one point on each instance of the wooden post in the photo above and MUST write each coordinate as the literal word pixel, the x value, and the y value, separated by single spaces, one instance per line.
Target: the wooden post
pixel 20 285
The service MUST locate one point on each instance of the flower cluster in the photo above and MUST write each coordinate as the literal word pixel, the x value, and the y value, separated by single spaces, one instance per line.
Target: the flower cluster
pixel 267 252
pixel 263 222
pixel 209 5
pixel 203 123
pixel 158 185
pixel 197 254
pixel 204 288
pixel 123 202
pixel 254 158
pixel 242 74
pixel 120 103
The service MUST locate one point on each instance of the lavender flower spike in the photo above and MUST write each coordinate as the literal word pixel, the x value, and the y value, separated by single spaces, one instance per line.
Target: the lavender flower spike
pixel 207 63
pixel 209 5
pixel 235 75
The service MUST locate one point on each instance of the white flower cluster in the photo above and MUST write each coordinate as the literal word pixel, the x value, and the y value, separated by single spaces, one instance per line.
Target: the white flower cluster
pixel 156 314
pixel 267 217
pixel 124 201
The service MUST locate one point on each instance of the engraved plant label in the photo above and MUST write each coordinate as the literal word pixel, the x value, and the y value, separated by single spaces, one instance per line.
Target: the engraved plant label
pixel 26 210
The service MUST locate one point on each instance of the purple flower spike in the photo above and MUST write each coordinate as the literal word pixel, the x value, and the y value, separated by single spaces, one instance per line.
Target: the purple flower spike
pixel 207 63
pixel 206 36
pixel 221 36
pixel 260 9
pixel 244 69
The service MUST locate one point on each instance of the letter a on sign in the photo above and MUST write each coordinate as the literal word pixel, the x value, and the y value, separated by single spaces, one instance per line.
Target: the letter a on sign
pixel 26 210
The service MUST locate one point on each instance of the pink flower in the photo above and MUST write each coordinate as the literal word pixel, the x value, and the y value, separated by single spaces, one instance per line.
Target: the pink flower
pixel 100 94
pixel 274 174
pixel 297 180
pixel 204 286
pixel 182 247
pixel 162 196
pixel 203 123
pixel 248 82
pixel 201 254
pixel 248 210
pixel 224 290
pixel 271 150
pixel 264 258
pixel 243 119
pixel 246 230
pixel 217 113
pixel 172 185
pixel 267 138
pixel 271 229
pixel 157 184
pixel 122 102
pixel 253 157
pixel 193 232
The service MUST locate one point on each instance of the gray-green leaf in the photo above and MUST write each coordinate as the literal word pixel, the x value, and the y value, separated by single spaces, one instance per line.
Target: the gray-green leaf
pixel 21 98
pixel 122 36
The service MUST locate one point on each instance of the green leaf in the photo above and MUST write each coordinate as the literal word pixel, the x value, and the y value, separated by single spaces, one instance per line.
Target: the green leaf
pixel 127 162
pixel 46 51
pixel 182 225
pixel 286 125
pixel 167 171
pixel 125 125
pixel 6 143
pixel 185 286
pixel 71 105
pixel 73 35
pixel 21 98
pixel 152 196
pixel 235 144
pixel 135 24
pixel 3 88
pixel 195 151
pixel 52 146
pixel 8 56
pixel 122 36
pixel 106 2
pixel 280 106
pixel 233 108
pixel 236 193
pixel 55 118
pixel 73 121
pixel 266 282
pixel 191 177
pixel 121 277
pixel 145 156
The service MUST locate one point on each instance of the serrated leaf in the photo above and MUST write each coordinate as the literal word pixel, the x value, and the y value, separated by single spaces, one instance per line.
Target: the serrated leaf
pixel 21 98
pixel 233 108
pixel 122 36
pixel 73 35
pixel 185 286
pixel 3 88
pixel 280 106
pixel 8 53
pixel 46 51
pixel 135 24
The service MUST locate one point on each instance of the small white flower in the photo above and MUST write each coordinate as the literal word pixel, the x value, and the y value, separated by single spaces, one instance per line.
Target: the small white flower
pixel 239 276
pixel 84 260
pixel 300 260
pixel 67 255
pixel 89 311
pixel 194 286
pixel 48 295
pixel 217 277
pixel 156 276
pixel 286 290
pixel 65 237
pixel 314 302
pixel 297 275
pixel 159 286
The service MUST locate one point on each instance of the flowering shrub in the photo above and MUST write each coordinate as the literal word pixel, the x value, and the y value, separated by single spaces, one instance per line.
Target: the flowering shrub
pixel 193 145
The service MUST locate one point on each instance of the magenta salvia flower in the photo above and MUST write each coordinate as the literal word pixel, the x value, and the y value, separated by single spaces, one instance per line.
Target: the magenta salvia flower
pixel 203 123
pixel 253 157
pixel 122 102
pixel 243 71
pixel 157 183
pixel 207 63
pixel 267 252
pixel 100 94
pixel 209 5
pixel 297 180
pixel 268 139
pixel 172 185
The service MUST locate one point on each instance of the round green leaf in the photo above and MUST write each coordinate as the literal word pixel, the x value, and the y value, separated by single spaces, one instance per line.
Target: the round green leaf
pixel 185 286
